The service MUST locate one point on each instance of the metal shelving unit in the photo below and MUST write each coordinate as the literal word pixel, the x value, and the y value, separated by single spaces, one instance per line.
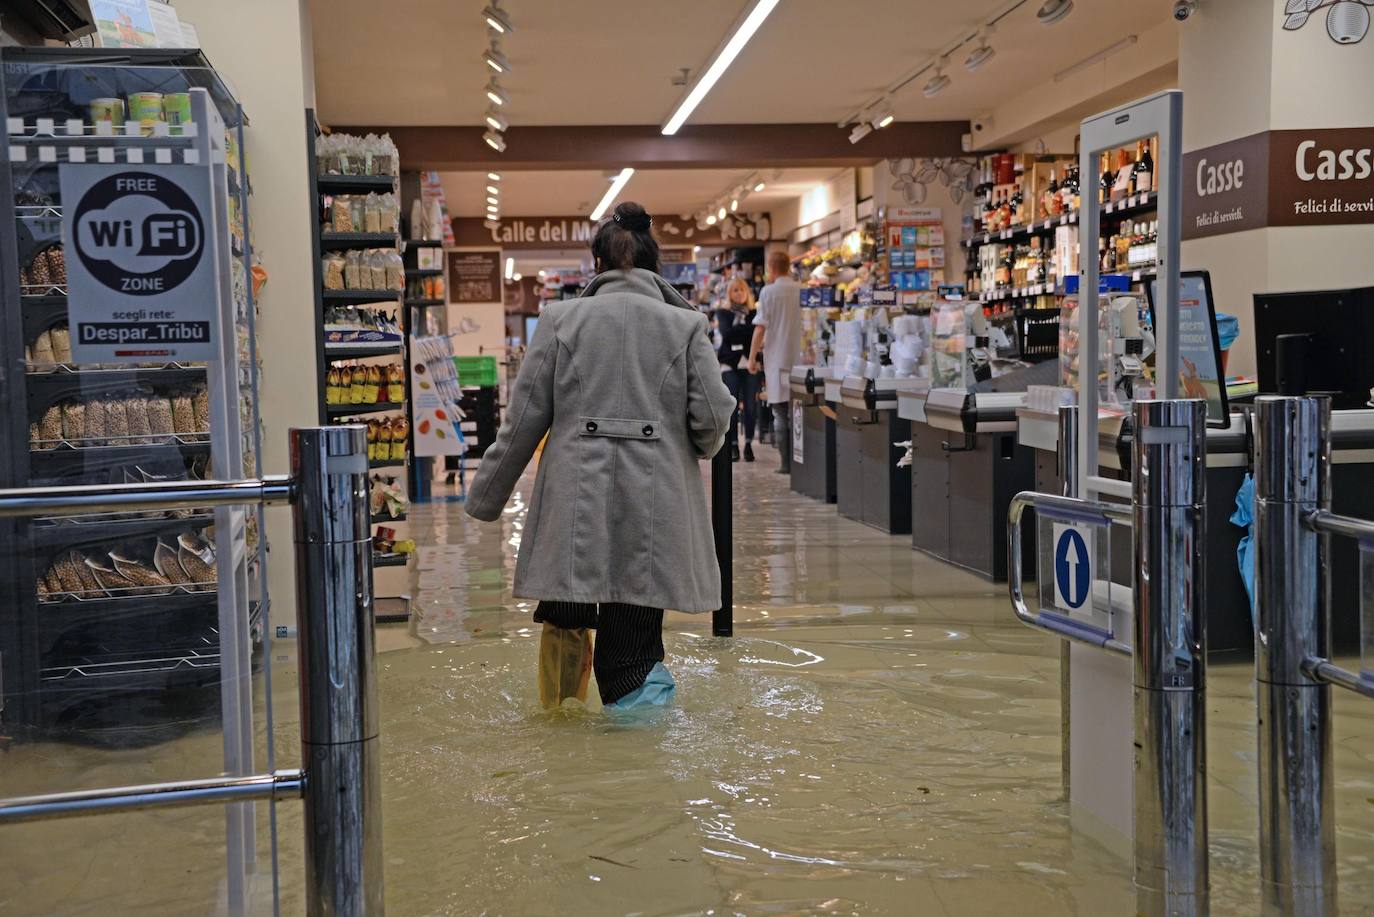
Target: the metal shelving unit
pixel 327 352
pixel 89 658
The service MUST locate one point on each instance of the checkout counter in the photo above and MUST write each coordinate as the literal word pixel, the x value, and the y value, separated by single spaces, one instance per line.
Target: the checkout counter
pixel 966 465
pixel 1229 626
pixel 813 433
pixel 869 487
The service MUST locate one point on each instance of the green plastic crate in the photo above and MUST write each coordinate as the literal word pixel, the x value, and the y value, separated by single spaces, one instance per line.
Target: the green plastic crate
pixel 476 371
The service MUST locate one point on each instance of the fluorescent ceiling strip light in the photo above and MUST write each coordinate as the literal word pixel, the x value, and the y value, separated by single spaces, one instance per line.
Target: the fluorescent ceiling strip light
pixel 1102 55
pixel 723 60
pixel 510 268
pixel 612 192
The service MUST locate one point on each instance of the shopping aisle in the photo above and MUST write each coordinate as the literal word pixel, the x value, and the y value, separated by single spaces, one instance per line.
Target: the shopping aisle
pixel 879 737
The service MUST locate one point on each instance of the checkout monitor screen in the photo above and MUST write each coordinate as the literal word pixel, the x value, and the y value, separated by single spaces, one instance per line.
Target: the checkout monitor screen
pixel 1199 349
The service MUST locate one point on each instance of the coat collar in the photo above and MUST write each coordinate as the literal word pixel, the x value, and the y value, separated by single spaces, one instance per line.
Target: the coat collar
pixel 636 280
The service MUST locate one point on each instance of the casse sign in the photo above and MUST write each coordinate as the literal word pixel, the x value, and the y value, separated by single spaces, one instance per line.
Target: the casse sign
pixel 1280 178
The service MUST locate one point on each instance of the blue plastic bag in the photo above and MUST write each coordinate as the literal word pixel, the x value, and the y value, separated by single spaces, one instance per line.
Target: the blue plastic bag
pixel 1228 329
pixel 657 691
pixel 1244 517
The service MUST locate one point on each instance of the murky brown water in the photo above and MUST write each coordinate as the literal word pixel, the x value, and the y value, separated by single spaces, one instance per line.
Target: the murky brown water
pixel 878 738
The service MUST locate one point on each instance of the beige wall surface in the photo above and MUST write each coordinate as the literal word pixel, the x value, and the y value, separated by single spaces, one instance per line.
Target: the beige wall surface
pixel 257 45
pixel 1242 73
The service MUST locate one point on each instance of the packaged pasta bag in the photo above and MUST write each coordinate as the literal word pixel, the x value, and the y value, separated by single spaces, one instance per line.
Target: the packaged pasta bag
pixel 565 664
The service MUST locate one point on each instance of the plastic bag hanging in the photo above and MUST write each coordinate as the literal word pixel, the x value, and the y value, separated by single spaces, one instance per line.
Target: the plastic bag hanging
pixel 565 664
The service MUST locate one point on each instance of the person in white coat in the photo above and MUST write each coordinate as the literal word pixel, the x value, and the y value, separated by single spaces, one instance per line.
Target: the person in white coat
pixel 777 337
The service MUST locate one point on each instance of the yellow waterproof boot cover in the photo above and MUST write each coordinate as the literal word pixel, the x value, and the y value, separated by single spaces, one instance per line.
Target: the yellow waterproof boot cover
pixel 565 664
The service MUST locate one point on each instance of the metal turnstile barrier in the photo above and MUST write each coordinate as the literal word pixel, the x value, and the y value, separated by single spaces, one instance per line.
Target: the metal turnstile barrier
pixel 340 780
pixel 1168 647
pixel 1293 668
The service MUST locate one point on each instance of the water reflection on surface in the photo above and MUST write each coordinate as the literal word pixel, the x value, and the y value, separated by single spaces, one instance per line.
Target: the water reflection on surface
pixel 879 738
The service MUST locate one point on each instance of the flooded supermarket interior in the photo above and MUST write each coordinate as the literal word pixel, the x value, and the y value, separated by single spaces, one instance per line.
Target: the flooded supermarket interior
pixel 528 458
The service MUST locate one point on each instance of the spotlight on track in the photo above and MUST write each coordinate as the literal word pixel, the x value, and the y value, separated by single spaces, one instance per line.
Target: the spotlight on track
pixel 1053 10
pixel 496 60
pixel 497 19
pixel 495 141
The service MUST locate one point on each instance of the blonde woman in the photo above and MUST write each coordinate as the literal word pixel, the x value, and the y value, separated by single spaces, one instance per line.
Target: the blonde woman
pixel 734 325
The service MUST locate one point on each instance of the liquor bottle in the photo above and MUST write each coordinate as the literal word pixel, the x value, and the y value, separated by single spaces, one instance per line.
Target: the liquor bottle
pixel 1047 202
pixel 1070 190
pixel 1123 244
pixel 1104 196
pixel 1106 255
pixel 1015 207
pixel 1144 169
pixel 1004 210
pixel 1154 242
pixel 1123 163
pixel 1131 188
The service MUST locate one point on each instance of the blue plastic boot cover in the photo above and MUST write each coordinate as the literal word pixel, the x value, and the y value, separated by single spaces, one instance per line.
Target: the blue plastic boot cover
pixel 657 691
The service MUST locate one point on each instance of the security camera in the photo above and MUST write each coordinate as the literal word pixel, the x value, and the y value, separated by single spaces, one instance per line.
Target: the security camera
pixel 1184 8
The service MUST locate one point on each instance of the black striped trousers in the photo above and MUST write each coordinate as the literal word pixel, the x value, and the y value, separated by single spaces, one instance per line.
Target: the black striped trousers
pixel 629 641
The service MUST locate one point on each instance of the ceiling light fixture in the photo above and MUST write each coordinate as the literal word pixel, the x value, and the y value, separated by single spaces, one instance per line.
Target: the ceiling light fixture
pixel 494 141
pixel 720 214
pixel 938 82
pixel 491 223
pixel 710 219
pixel 497 95
pixel 883 117
pixel 496 121
pixel 617 185
pixel 493 201
pixel 734 204
pixel 1053 10
pixel 982 53
pixel 860 131
pixel 760 186
pixel 493 176
pixel 517 277
pixel 497 18
pixel 510 268
pixel 493 189
pixel 1100 56
pixel 743 32
pixel 495 59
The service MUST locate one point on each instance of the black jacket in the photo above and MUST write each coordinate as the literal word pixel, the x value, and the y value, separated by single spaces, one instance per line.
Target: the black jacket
pixel 736 333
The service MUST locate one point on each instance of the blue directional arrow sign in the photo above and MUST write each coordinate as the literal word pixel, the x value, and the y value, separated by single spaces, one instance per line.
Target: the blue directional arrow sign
pixel 1072 569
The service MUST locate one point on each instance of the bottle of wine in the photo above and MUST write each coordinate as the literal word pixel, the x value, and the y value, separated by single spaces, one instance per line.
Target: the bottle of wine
pixel 1108 179
pixel 1047 203
pixel 1144 169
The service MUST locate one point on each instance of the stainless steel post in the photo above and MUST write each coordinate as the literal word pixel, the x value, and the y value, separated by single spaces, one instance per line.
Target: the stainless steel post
pixel 1297 828
pixel 1170 788
pixel 1068 475
pixel 340 751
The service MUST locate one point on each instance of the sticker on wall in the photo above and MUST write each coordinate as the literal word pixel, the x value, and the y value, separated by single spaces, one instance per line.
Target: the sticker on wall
pixel 1347 21
pixel 914 177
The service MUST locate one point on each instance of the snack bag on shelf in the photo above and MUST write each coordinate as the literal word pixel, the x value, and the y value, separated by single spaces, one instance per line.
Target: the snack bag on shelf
pixel 395 383
pixel 400 431
pixel 373 388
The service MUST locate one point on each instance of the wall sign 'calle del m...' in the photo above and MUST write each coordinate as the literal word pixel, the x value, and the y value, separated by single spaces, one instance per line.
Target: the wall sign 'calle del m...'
pixel 1280 178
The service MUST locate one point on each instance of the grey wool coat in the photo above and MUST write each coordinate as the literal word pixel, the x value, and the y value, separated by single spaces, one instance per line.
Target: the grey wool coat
pixel 625 382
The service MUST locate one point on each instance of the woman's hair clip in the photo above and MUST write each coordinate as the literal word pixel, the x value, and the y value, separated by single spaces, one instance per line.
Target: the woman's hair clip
pixel 644 227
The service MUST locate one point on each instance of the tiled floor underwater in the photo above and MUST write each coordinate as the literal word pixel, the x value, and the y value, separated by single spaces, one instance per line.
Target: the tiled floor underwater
pixel 880 737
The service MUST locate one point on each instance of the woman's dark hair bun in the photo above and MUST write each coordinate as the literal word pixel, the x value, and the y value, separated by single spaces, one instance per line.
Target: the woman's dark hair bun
pixel 626 240
pixel 632 216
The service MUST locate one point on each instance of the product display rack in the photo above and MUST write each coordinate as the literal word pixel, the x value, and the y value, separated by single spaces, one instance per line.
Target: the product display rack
pixel 322 187
pixel 1033 309
pixel 111 654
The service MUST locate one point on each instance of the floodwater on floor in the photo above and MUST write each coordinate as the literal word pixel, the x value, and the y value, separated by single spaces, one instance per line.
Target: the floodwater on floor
pixel 879 737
